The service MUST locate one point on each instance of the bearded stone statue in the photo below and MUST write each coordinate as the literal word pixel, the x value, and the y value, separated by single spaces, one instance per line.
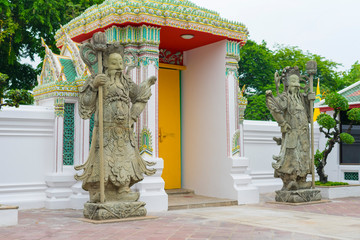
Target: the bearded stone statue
pixel 123 101
pixel 291 110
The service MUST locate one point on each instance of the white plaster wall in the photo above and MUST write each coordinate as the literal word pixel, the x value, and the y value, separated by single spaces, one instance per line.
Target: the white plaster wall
pixel 26 147
pixel 206 166
pixel 259 147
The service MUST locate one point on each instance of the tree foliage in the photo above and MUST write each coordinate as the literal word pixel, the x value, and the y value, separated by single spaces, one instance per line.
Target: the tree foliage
pixel 353 75
pixel 258 64
pixel 13 97
pixel 22 24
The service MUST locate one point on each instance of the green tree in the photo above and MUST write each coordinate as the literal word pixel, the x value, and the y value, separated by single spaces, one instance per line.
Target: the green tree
pixel 22 24
pixel 13 97
pixel 258 64
pixel 326 69
pixel 353 75
pixel 256 71
pixel 329 125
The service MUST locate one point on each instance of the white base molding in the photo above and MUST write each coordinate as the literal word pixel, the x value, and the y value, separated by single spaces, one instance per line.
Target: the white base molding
pixel 59 190
pixel 8 215
pixel 339 191
pixel 24 195
pixel 79 197
pixel 151 189
pixel 247 193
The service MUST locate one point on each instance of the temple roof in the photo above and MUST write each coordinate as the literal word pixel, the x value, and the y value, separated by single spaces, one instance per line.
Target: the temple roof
pixel 171 15
pixel 351 93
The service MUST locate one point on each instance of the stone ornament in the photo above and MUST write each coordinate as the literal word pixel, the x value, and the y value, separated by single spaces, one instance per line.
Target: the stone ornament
pixel 292 111
pixel 109 182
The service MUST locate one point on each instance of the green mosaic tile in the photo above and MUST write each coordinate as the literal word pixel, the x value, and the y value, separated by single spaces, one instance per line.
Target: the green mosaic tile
pixel 351 176
pixel 69 69
pixel 68 134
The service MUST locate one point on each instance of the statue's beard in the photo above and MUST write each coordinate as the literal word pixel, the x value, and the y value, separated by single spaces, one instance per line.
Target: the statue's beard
pixel 294 93
pixel 115 74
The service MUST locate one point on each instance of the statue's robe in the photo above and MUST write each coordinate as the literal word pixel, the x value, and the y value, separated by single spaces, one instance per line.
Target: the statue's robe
pixel 123 101
pixel 294 158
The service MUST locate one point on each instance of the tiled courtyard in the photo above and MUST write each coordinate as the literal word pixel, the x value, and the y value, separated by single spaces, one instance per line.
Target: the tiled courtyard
pixel 338 219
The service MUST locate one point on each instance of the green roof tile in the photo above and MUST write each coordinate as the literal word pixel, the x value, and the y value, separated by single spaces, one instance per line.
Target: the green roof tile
pixel 352 94
pixel 69 69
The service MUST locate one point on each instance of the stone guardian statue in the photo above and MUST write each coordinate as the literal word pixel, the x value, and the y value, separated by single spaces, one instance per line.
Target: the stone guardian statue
pixel 114 163
pixel 291 110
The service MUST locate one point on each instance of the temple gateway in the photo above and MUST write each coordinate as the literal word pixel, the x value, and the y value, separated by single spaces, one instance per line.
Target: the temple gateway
pixel 192 125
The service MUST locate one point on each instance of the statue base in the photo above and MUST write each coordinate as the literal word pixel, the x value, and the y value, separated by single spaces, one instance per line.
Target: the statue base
pixel 298 196
pixel 114 210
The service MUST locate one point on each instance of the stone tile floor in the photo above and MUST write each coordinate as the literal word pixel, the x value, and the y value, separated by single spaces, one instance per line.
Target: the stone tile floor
pixel 338 219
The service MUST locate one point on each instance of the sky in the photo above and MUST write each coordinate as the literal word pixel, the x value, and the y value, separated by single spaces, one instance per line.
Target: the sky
pixel 329 28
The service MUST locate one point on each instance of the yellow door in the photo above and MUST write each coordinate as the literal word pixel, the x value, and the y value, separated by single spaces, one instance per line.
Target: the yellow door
pixel 169 126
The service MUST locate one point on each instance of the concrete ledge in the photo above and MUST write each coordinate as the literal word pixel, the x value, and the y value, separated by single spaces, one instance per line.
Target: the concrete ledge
pixel 343 191
pixel 8 215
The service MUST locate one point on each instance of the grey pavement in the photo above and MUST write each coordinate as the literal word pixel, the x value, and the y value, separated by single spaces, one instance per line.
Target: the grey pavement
pixel 338 219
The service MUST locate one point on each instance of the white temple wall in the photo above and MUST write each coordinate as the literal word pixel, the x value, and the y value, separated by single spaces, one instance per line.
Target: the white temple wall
pixel 260 147
pixel 26 147
pixel 206 166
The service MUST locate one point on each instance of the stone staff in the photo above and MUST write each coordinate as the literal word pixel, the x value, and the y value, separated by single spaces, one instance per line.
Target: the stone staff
pixel 311 68
pixel 92 53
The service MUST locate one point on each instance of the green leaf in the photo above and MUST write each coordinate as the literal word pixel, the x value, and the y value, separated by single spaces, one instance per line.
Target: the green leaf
pixel 347 138
pixel 354 114
pixel 318 157
pixel 336 101
pixel 326 121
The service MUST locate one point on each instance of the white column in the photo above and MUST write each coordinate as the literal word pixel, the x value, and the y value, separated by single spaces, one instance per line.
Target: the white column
pixel 59 181
pixel 152 187
pixel 246 191
pixel 81 151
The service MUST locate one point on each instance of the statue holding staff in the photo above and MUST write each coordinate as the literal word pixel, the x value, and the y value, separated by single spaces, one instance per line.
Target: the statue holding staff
pixel 292 111
pixel 123 101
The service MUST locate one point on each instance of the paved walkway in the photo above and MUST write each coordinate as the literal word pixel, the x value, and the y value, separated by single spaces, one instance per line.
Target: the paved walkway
pixel 338 219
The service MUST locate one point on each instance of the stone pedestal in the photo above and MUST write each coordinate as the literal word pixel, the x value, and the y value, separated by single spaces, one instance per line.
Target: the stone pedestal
pixel 8 215
pixel 298 196
pixel 114 210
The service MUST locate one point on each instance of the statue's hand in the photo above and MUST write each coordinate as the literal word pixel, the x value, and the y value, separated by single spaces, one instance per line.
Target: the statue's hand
pixel 99 80
pixel 311 96
pixel 152 80
pixel 285 128
pixel 268 92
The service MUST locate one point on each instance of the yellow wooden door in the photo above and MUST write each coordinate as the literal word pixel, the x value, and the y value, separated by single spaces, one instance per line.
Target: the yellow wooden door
pixel 170 126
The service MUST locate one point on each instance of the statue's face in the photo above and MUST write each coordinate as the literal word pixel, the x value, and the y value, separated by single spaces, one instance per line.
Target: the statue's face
pixel 115 62
pixel 294 81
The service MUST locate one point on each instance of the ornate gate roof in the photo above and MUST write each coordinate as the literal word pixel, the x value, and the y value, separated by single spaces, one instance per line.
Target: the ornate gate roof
pixel 173 16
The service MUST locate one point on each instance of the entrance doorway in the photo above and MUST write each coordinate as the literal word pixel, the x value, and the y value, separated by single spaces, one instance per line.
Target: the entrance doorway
pixel 170 124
